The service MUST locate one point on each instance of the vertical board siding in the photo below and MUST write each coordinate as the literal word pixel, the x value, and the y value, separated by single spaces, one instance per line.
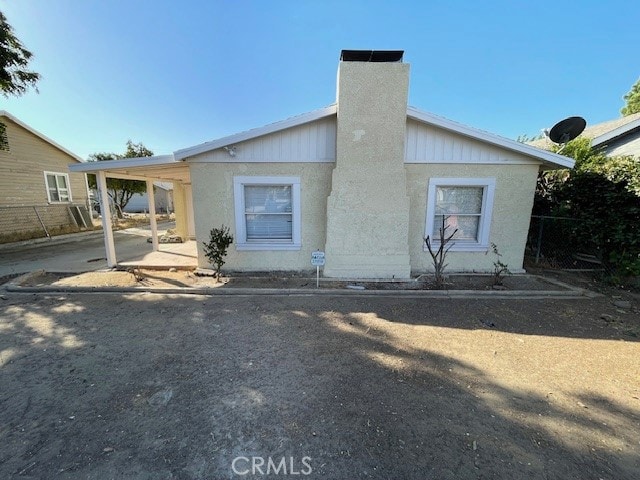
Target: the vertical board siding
pixel 312 142
pixel 428 144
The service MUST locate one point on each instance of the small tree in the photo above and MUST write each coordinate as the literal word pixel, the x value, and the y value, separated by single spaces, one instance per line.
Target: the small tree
pixel 500 269
pixel 216 249
pixel 439 256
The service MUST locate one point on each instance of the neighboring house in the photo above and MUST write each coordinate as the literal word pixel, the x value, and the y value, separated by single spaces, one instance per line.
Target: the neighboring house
pixel 364 180
pixel 163 199
pixel 38 195
pixel 619 137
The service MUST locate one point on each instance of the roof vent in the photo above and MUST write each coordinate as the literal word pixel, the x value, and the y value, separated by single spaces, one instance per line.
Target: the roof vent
pixel 371 55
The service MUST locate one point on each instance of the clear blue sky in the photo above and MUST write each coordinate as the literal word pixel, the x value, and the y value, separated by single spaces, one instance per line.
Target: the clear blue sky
pixel 172 74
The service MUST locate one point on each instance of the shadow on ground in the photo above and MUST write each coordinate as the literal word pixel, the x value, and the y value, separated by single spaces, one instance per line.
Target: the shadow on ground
pixel 159 386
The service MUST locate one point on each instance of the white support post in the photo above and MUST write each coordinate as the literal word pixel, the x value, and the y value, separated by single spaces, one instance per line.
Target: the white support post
pixel 105 213
pixel 152 215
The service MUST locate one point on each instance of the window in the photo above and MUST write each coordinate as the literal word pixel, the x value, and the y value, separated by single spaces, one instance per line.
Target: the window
pixel 465 204
pixel 267 211
pixel 57 185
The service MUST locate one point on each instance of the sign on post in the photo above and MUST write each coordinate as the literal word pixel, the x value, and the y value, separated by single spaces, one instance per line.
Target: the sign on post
pixel 317 259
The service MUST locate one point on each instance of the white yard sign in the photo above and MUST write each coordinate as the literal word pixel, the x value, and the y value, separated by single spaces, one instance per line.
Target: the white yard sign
pixel 317 260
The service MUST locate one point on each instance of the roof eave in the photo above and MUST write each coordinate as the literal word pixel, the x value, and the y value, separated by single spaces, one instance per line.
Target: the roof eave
pixel 256 132
pixel 615 133
pixel 4 113
pixel 544 156
pixel 123 163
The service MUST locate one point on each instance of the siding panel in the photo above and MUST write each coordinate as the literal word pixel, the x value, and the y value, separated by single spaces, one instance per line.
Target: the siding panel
pixel 436 145
pixel 312 142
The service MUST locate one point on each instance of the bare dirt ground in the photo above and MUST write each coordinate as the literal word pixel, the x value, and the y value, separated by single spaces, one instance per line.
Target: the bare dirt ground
pixel 148 386
pixel 168 279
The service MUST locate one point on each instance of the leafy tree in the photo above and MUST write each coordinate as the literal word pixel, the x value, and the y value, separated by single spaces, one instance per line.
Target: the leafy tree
pixel 120 190
pixel 14 77
pixel 633 100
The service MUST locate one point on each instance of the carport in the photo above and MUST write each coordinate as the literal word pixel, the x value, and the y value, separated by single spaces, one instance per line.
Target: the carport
pixel 147 169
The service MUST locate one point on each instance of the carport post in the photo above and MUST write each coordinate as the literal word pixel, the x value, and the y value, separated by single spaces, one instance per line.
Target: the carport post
pixel 105 213
pixel 152 215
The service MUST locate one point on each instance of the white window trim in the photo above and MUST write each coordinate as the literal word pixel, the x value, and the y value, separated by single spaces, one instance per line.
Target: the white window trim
pixel 46 186
pixel 484 226
pixel 239 183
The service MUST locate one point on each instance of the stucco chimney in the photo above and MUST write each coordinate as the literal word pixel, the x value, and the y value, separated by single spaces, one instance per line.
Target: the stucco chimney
pixel 368 209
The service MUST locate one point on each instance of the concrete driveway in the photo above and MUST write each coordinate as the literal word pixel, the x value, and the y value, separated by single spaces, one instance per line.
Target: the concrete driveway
pixel 84 254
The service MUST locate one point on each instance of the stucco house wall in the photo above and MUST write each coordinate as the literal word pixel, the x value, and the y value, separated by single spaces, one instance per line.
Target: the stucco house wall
pixel 515 186
pixel 365 167
pixel 214 206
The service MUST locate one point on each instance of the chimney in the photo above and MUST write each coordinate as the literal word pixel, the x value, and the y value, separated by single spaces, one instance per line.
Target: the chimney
pixel 368 209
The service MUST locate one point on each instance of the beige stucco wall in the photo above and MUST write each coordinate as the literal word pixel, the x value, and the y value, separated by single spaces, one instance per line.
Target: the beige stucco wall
pixel 180 209
pixel 513 201
pixel 368 210
pixel 212 185
pixel 22 179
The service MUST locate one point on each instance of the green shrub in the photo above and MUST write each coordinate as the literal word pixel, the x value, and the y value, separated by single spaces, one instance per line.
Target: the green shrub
pixel 216 249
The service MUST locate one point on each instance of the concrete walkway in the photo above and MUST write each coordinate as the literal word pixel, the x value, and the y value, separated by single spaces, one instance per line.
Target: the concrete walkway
pixel 76 252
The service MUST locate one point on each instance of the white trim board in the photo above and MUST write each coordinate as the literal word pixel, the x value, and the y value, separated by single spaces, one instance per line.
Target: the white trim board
pixel 256 132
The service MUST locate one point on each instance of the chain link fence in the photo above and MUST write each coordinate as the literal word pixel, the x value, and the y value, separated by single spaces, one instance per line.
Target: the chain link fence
pixel 36 221
pixel 552 242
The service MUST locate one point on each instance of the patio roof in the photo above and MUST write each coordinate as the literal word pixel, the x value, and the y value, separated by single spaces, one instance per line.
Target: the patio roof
pixel 159 167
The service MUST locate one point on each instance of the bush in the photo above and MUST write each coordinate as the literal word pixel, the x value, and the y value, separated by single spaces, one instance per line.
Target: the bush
pixel 216 249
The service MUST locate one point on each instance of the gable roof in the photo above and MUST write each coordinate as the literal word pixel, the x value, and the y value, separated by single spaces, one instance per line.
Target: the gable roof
pixel 545 156
pixel 4 113
pixel 257 132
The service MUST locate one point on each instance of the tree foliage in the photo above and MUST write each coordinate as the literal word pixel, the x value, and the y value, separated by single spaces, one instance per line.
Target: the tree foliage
pixel 633 100
pixel 15 79
pixel 120 190
pixel 602 194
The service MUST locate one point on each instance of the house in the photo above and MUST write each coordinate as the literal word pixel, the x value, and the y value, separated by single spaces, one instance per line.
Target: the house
pixel 365 180
pixel 38 195
pixel 619 137
pixel 163 199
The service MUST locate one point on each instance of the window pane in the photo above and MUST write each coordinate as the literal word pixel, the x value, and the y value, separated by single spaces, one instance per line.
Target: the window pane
pixel 467 226
pixel 269 227
pixel 62 181
pixel 51 182
pixel 53 195
pixel 267 199
pixel 459 200
pixel 63 193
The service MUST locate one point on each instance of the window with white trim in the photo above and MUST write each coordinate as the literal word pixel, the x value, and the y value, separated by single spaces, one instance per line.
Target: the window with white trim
pixel 57 185
pixel 267 212
pixel 466 205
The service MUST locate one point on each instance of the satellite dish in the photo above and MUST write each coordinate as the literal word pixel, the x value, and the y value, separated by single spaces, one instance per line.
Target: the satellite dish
pixel 566 130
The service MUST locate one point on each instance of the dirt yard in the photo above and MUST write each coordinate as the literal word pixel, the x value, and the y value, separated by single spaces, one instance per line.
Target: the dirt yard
pixel 145 278
pixel 148 386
